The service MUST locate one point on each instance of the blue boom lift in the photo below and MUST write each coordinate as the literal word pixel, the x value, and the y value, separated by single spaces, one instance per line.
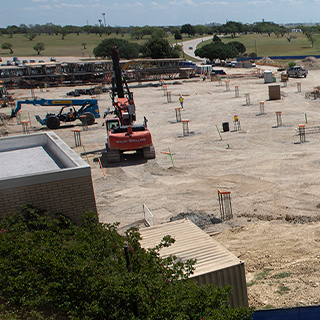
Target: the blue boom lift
pixel 68 113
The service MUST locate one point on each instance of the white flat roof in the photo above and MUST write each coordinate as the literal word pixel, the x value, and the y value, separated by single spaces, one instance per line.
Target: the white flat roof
pixel 191 243
pixel 38 158
pixel 25 161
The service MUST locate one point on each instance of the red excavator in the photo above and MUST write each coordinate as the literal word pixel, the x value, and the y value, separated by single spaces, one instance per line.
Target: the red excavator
pixel 122 134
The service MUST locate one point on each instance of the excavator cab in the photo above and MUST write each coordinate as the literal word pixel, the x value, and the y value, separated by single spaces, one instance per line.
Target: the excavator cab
pixel 112 124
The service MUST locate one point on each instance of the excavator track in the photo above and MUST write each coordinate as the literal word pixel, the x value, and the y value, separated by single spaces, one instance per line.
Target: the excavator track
pixel 113 155
pixel 149 152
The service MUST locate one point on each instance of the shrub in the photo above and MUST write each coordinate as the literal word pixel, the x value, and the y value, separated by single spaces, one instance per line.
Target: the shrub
pixel 291 64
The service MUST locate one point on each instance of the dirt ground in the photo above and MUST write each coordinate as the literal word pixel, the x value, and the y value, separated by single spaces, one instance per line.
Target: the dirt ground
pixel 273 179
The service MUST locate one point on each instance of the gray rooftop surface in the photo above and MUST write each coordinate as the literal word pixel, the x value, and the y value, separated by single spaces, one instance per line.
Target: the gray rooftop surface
pixel 27 161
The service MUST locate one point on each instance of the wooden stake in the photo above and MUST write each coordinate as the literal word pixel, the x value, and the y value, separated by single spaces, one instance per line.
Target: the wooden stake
pixel 101 167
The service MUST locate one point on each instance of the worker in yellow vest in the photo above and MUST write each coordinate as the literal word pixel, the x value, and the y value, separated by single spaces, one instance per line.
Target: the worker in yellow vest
pixel 181 101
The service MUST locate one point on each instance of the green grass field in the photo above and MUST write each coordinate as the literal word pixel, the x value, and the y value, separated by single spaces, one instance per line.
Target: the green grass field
pixel 273 46
pixel 71 45
pixel 55 46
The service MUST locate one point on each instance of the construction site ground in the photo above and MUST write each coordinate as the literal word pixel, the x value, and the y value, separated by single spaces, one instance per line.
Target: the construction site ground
pixel 273 179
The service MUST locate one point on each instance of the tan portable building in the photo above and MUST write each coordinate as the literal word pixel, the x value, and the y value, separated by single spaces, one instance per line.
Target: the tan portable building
pixel 215 264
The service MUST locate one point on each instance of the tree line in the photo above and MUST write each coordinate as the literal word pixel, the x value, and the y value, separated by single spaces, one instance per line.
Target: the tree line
pixel 230 27
pixel 157 46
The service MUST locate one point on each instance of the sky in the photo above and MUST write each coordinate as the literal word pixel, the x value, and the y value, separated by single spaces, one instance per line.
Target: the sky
pixel 156 13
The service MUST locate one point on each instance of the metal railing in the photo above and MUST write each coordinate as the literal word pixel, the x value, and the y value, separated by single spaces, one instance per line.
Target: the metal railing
pixel 148 216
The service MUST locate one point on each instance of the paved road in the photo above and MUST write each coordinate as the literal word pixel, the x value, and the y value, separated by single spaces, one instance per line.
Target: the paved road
pixel 193 44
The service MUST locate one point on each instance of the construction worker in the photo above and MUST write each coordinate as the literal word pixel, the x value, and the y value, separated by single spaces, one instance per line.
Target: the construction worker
pixel 181 101
pixel 70 114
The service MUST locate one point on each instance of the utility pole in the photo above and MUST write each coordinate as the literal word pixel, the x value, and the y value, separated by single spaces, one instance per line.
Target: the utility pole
pixel 104 19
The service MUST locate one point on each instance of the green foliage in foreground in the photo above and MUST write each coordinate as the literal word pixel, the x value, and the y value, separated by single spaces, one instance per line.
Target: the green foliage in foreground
pixel 52 269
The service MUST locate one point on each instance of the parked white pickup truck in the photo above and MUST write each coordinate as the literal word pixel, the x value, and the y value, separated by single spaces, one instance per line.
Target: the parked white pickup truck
pixel 297 72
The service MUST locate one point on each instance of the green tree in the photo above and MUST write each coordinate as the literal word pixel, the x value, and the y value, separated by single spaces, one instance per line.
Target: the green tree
pixel 117 30
pixel 283 30
pixel 310 37
pixel 239 46
pixel 137 33
pixel 200 29
pixel 188 29
pixel 177 35
pixel 7 45
pixel 216 38
pixel 127 50
pixel 79 272
pixel 217 50
pixel 84 44
pixel 158 48
pixel 158 33
pixel 31 36
pixel 291 64
pixel 39 47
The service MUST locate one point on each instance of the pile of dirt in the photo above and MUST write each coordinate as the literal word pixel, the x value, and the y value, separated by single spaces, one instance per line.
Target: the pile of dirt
pixel 311 63
pixel 202 220
pixel 266 60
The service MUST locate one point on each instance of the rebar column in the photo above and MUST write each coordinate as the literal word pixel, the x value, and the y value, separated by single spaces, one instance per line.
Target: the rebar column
pixel 261 104
pixel 279 119
pixel 25 126
pixel 169 96
pixel 225 204
pixel 247 95
pixel 227 82
pixel 185 127
pixel 178 114
pixel 236 91
pixel 299 86
pixel 77 137
pixel 302 132
pixel 165 88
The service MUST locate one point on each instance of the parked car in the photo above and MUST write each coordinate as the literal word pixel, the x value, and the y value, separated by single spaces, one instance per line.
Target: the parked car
pixel 0 59
pixel 17 62
pixel 15 59
pixel 53 59
pixel 32 61
pixel 218 72
pixel 297 71
pixel 9 63
pixel 41 61
pixel 24 61
pixel 190 48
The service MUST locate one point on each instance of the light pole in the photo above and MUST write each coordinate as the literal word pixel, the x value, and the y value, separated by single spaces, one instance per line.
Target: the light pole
pixel 104 19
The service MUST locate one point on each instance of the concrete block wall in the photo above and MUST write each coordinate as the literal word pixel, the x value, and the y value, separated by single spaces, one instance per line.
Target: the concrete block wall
pixel 71 197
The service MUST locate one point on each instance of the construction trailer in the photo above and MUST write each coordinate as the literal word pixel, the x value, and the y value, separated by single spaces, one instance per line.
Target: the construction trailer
pixel 215 264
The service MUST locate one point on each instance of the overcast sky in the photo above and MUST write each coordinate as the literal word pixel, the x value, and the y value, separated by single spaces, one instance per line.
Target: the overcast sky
pixel 156 13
